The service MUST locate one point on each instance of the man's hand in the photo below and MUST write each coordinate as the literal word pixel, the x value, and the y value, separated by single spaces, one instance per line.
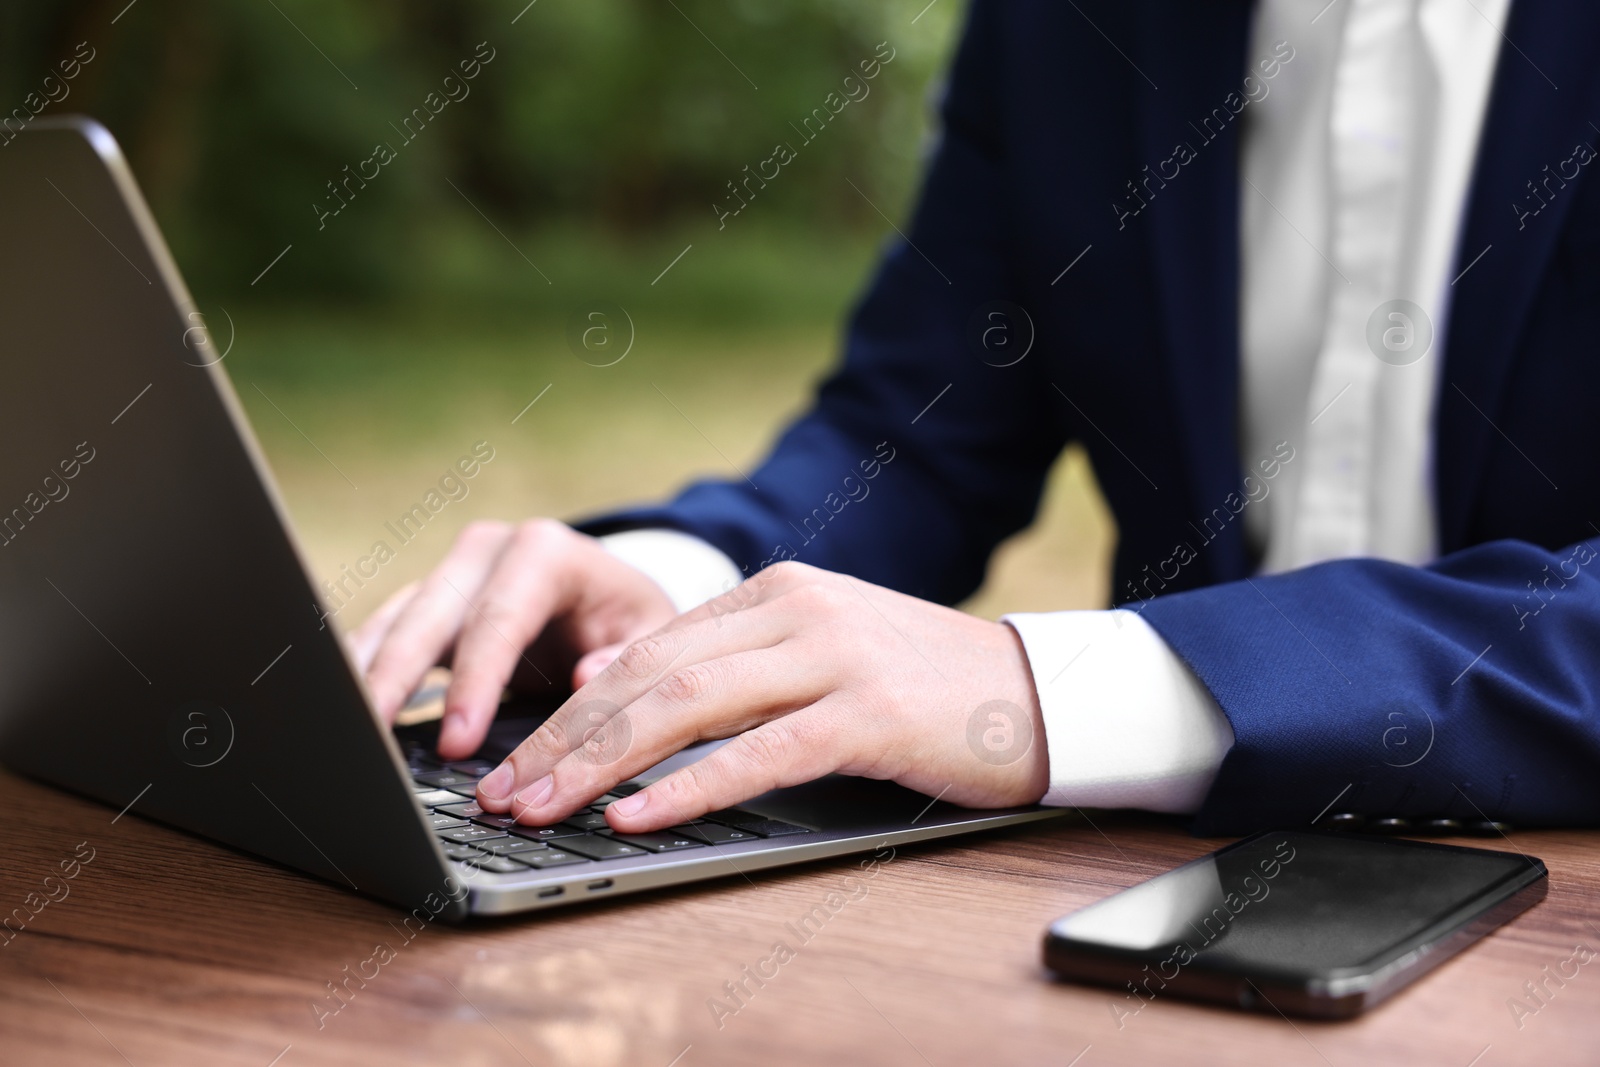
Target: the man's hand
pixel 809 673
pixel 521 604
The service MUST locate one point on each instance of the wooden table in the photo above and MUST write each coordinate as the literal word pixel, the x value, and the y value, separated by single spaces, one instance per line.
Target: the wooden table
pixel 169 950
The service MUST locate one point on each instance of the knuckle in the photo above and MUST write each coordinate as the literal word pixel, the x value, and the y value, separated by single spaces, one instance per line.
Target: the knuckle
pixel 821 598
pixel 543 747
pixel 692 684
pixel 540 532
pixel 786 572
pixel 481 532
pixel 695 784
pixel 642 658
pixel 730 601
pixel 684 792
pixel 872 698
pixel 765 750
pixel 876 699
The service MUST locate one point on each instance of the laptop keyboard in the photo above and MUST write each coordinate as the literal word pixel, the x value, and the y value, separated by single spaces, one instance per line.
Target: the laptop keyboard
pixel 500 845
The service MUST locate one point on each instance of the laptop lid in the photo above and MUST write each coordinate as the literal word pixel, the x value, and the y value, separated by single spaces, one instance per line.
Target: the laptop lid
pixel 161 640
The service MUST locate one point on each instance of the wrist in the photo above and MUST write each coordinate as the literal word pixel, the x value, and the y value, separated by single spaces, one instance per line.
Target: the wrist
pixel 1034 766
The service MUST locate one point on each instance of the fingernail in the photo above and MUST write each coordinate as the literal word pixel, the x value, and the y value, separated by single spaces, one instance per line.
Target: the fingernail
pixel 629 806
pixel 592 664
pixel 537 793
pixel 498 782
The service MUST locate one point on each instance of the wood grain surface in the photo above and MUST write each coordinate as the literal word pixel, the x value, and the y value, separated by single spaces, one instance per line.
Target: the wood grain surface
pixel 164 949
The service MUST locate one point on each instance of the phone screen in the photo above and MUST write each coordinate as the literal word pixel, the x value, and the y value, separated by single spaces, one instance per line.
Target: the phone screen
pixel 1293 902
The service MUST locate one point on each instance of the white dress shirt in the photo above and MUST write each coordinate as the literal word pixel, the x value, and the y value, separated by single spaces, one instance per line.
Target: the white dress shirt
pixel 1355 166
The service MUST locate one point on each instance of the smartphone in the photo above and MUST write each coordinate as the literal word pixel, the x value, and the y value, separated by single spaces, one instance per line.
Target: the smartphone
pixel 1303 922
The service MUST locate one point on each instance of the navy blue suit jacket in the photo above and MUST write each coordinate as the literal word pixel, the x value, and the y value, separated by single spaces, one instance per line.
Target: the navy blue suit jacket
pixel 1469 688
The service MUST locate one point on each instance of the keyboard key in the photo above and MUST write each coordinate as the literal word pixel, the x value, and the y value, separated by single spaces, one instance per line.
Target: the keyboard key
pixel 461 809
pixel 495 864
pixel 599 848
pixel 472 768
pixel 444 779
pixel 627 789
pixel 587 821
pixel 543 833
pixel 469 810
pixel 467 789
pixel 459 852
pixel 470 834
pixel 773 828
pixel 729 816
pixel 711 833
pixel 659 840
pixel 432 797
pixel 539 859
pixel 508 846
pixel 604 802
pixel 760 825
pixel 443 822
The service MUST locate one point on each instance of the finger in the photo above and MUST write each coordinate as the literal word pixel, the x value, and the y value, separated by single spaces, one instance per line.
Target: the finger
pixel 584 671
pixel 720 611
pixel 761 588
pixel 643 662
pixel 427 626
pixel 366 638
pixel 640 666
pixel 783 752
pixel 520 595
pixel 607 744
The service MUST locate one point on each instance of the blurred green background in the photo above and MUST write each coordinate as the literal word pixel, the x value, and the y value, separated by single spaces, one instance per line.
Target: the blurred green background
pixel 579 167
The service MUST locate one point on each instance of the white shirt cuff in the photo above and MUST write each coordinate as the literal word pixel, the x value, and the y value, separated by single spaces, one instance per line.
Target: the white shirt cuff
pixel 1127 724
pixel 687 569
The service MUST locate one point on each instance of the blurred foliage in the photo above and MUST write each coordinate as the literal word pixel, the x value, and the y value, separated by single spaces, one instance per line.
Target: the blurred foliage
pixel 595 144
pixel 622 120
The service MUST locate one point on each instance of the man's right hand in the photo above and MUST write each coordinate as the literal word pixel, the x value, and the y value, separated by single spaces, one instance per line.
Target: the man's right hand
pixel 508 604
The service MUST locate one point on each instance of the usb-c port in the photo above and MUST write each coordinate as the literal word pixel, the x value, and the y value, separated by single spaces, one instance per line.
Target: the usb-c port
pixel 553 891
pixel 604 883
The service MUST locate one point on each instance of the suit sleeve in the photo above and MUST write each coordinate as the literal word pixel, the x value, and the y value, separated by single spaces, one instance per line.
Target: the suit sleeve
pixel 917 457
pixel 1468 689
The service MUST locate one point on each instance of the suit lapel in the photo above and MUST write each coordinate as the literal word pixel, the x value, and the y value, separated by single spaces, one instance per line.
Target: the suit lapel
pixel 1539 108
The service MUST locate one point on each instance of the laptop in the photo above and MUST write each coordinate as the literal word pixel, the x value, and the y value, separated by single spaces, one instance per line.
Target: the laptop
pixel 162 639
